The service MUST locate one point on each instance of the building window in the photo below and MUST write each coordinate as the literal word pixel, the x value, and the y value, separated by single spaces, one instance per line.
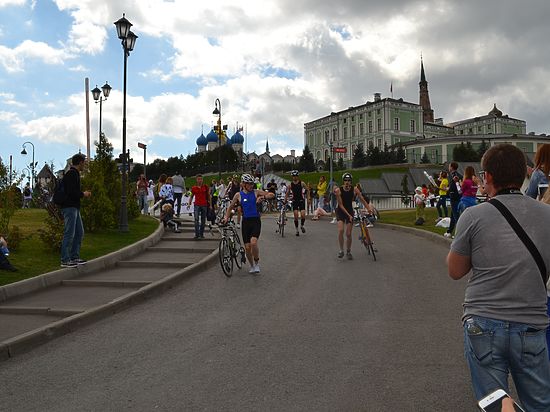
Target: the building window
pixel 334 134
pixel 352 118
pixel 361 129
pixel 396 123
pixel 377 111
pixel 462 132
pixel 327 135
pixel 413 126
pixel 345 120
pixel 379 142
pixel 345 133
pixel 370 125
pixel 352 130
pixel 470 130
pixel 370 114
pixel 360 116
pixel 378 125
pixel 479 128
pixel 488 127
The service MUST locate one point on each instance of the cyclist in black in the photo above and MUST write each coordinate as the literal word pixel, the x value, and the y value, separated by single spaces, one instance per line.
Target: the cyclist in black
pixel 297 188
pixel 344 212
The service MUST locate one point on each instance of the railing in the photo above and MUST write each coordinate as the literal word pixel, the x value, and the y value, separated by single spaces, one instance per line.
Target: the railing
pixel 391 202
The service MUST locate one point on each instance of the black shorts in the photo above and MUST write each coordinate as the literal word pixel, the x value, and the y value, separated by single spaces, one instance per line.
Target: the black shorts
pixel 340 215
pixel 251 227
pixel 299 205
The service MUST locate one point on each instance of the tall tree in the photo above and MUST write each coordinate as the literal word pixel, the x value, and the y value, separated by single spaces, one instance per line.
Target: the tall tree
pixel 359 157
pixel 307 162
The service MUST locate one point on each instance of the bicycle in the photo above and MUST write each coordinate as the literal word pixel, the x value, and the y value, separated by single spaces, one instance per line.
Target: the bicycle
pixel 281 221
pixel 365 237
pixel 230 249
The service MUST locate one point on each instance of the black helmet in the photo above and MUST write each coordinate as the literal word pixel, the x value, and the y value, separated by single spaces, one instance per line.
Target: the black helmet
pixel 347 176
pixel 294 173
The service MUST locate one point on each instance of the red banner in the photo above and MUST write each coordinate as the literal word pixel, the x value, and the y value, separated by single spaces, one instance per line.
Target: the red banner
pixel 340 149
pixel 142 146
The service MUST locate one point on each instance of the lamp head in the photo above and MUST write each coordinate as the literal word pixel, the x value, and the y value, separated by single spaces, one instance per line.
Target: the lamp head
pixel 122 27
pixel 96 93
pixel 23 152
pixel 106 89
pixel 130 41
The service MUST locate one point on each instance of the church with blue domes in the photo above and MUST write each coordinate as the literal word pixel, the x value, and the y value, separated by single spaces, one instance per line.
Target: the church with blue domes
pixel 211 141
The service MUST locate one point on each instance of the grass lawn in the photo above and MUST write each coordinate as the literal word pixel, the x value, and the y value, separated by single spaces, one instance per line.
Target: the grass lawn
pixel 408 217
pixel 32 257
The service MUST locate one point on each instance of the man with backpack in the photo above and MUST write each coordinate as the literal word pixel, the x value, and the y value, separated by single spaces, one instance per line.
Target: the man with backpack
pixel 27 196
pixel 70 207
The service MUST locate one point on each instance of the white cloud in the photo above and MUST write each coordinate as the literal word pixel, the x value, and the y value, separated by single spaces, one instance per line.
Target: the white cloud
pixel 13 60
pixel 7 3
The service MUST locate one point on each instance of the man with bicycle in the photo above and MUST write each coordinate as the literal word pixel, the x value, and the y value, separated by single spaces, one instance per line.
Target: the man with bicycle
pixel 251 223
pixel 344 212
pixel 297 188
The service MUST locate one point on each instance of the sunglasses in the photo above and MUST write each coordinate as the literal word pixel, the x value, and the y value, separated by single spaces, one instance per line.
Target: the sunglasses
pixel 482 174
pixel 347 180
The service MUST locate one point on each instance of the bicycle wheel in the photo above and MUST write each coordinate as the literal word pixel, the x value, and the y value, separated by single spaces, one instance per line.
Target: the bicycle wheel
pixel 238 251
pixel 367 241
pixel 226 260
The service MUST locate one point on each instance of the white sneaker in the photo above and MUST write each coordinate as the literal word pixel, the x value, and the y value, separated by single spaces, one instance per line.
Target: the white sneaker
pixel 238 226
pixel 447 234
pixel 333 220
pixel 257 268
pixel 370 225
pixel 253 269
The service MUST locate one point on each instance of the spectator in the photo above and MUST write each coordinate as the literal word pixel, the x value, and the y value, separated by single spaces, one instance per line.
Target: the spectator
pixel 322 190
pixel 505 305
pixel 4 253
pixel 442 202
pixel 142 189
pixel 73 231
pixel 469 188
pixel 454 195
pixel 166 192
pixel 420 203
pixel 27 196
pixel 160 183
pixel 150 195
pixel 272 188
pixel 539 176
pixel 221 189
pixel 178 184
pixel 167 217
pixel 201 194
pixel 213 193
pixel 318 213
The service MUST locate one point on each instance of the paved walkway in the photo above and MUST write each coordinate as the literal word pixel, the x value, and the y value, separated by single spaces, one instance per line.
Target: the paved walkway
pixel 38 309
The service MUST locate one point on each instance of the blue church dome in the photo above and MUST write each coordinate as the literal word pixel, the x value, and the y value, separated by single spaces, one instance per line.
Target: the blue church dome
pixel 237 138
pixel 212 137
pixel 202 141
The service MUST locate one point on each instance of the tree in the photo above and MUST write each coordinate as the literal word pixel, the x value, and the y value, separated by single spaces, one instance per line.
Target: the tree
pixel 400 155
pixel 465 153
pixel 306 163
pixel 327 164
pixel 405 198
pixel 340 163
pixel 359 157
pixel 374 155
pixel 482 149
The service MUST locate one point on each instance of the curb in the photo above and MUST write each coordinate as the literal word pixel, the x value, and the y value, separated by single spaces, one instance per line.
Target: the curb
pixel 57 276
pixel 25 342
pixel 434 237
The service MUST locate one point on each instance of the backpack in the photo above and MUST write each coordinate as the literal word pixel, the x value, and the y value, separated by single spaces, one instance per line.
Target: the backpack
pixel 27 191
pixel 59 196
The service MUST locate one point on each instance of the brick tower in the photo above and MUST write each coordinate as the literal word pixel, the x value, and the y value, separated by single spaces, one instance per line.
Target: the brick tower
pixel 427 112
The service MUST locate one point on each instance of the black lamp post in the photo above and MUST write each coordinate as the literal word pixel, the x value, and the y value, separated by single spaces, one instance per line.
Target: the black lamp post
pixel 218 111
pixel 96 93
pixel 128 40
pixel 33 165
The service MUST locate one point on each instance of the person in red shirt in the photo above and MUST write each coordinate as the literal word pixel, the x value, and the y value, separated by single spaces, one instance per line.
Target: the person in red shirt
pixel 201 194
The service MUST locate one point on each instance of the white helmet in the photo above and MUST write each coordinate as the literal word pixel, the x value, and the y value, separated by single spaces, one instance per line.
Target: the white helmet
pixel 295 173
pixel 246 178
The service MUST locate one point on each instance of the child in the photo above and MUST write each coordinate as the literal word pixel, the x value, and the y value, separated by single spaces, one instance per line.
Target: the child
pixel 4 247
pixel 167 216
pixel 419 201
pixel 4 253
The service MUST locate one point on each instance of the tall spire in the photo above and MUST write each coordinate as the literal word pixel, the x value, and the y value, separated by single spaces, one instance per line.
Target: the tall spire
pixel 427 112
pixel 267 146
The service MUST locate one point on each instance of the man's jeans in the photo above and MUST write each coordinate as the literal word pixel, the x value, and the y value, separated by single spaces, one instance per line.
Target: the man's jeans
pixel 454 214
pixel 72 234
pixel 494 348
pixel 177 200
pixel 200 213
pixel 143 203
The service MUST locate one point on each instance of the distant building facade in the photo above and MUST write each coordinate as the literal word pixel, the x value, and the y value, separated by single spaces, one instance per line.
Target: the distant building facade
pixel 390 122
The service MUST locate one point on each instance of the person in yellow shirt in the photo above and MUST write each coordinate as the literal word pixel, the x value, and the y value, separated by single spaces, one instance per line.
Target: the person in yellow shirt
pixel 443 187
pixel 322 191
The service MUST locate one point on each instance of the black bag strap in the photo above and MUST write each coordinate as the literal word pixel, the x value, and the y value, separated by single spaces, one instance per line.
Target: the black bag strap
pixel 523 236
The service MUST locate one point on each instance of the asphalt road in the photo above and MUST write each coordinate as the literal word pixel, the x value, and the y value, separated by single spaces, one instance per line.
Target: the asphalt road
pixel 311 332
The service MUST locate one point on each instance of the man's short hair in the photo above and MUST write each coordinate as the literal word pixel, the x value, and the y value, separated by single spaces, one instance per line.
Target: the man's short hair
pixel 454 165
pixel 199 175
pixel 77 159
pixel 507 165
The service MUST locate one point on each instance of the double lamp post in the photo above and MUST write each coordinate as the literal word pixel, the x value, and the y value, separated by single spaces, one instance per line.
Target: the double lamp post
pixel 33 164
pixel 128 41
pixel 96 93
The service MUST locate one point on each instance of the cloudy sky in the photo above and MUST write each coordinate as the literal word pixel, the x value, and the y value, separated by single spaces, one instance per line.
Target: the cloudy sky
pixel 274 64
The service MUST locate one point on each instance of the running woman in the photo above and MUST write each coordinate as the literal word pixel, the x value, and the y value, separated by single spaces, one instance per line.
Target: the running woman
pixel 251 223
pixel 297 188
pixel 344 212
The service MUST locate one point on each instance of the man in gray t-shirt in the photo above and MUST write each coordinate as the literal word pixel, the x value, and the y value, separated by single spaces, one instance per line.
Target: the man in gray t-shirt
pixel 178 183
pixel 505 308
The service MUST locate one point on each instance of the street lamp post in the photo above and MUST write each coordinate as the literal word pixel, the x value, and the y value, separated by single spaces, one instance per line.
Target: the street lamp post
pixel 96 93
pixel 33 165
pixel 128 40
pixel 218 111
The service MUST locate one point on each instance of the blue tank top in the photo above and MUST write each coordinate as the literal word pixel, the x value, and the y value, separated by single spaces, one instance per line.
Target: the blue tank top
pixel 248 202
